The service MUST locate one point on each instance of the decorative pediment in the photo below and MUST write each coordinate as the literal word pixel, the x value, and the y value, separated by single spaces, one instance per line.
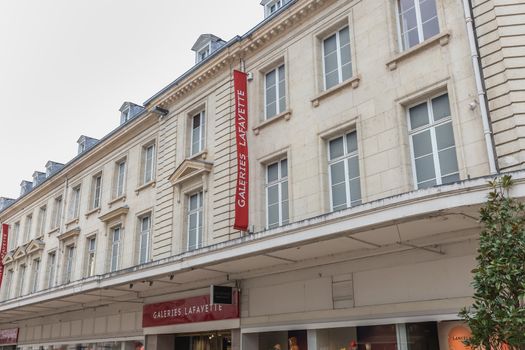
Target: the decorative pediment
pixel 34 246
pixel 69 234
pixel 189 169
pixel 19 253
pixel 117 213
pixel 8 258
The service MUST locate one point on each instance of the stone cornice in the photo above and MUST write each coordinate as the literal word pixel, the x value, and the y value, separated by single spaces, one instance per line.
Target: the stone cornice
pixel 247 45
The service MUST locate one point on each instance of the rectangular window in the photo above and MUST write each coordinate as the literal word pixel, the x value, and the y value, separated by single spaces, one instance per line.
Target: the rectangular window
pixel 13 242
pixel 42 220
pixel 96 191
pixel 417 20
pixel 116 238
pixel 7 285
pixel 277 194
pixel 90 262
pixel 27 232
pixel 58 212
pixel 148 154
pixel 343 166
pixel 51 265
pixel 74 208
pixel 34 279
pixel 195 221
pixel 337 58
pixel 69 263
pixel 120 180
pixel 275 92
pixel 432 142
pixel 197 133
pixel 21 280
pixel 144 239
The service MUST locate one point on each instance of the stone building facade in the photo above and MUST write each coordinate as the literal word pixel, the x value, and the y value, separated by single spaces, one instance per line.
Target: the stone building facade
pixel 369 157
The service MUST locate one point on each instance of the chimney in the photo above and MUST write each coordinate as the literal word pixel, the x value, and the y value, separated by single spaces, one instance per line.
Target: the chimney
pixel 85 143
pixel 53 167
pixel 25 187
pixel 5 202
pixel 38 178
pixel 129 110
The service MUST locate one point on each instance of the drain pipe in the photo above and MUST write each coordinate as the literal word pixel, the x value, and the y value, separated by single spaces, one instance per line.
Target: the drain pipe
pixel 476 64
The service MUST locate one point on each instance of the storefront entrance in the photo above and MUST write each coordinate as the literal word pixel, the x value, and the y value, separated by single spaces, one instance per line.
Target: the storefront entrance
pixel 220 340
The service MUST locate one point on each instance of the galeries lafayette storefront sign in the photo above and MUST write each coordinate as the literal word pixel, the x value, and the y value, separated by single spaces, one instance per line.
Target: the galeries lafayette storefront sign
pixel 8 336
pixel 190 310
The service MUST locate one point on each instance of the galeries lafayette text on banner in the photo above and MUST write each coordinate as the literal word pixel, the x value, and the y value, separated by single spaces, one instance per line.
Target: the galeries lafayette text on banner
pixel 241 125
pixel 3 250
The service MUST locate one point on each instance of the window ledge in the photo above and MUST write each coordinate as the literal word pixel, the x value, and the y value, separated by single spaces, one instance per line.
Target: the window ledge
pixel 56 229
pixel 442 38
pixel 201 155
pixel 286 115
pixel 353 82
pixel 92 211
pixel 116 200
pixel 151 183
pixel 72 221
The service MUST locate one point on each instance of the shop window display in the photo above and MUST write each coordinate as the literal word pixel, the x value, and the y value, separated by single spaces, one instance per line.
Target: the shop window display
pixel 286 340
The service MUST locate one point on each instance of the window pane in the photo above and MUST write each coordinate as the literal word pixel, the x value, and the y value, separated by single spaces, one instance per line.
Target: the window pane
pixel 337 173
pixel 273 172
pixel 345 54
pixel 336 148
pixel 353 167
pixel 409 20
pixel 405 5
pixel 330 62
pixel 344 36
pixel 351 142
pixel 330 45
pixel 273 194
pixel 428 9
pixel 425 169
pixel 422 144
pixel 270 94
pixel 444 136
pixel 355 191
pixel 332 79
pixel 448 162
pixel 271 109
pixel 273 215
pixel 284 191
pixel 193 202
pixel 193 221
pixel 284 214
pixel 441 107
pixel 339 196
pixel 411 38
pixel 270 79
pixel 422 336
pixel 450 178
pixel 192 239
pixel 430 28
pixel 426 184
pixel 418 116
pixel 347 71
pixel 284 168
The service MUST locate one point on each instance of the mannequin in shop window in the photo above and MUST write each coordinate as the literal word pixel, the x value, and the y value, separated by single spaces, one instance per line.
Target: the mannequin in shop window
pixel 293 343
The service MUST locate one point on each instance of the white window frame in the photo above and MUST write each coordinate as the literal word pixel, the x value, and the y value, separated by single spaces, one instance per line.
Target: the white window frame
pixel 21 280
pixel 148 169
pixel 69 263
pixel 36 272
pixel 202 132
pixel 205 49
pixel 279 183
pixel 116 247
pixel 8 284
pixel 120 178
pixel 419 24
pixel 91 255
pixel 42 218
pixel 344 158
pixel 339 60
pixel 96 191
pixel 277 92
pixel 13 242
pixel 51 268
pixel 199 211
pixel 28 227
pixel 278 4
pixel 57 212
pixel 74 210
pixel 432 125
pixel 146 234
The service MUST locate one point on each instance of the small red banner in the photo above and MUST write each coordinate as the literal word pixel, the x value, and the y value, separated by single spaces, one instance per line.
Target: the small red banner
pixel 8 336
pixel 190 310
pixel 241 125
pixel 3 250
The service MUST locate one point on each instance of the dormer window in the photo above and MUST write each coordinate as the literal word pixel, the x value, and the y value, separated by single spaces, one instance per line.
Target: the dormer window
pixel 271 6
pixel 124 116
pixel 203 53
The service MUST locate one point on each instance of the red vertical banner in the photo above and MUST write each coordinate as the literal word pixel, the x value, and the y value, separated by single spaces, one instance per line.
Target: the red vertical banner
pixel 241 126
pixel 3 250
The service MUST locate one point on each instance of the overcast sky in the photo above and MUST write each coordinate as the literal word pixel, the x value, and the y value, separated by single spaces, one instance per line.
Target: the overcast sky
pixel 66 67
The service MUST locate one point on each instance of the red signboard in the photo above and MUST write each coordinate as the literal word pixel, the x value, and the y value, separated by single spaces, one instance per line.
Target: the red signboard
pixel 8 336
pixel 241 125
pixel 196 309
pixel 3 250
